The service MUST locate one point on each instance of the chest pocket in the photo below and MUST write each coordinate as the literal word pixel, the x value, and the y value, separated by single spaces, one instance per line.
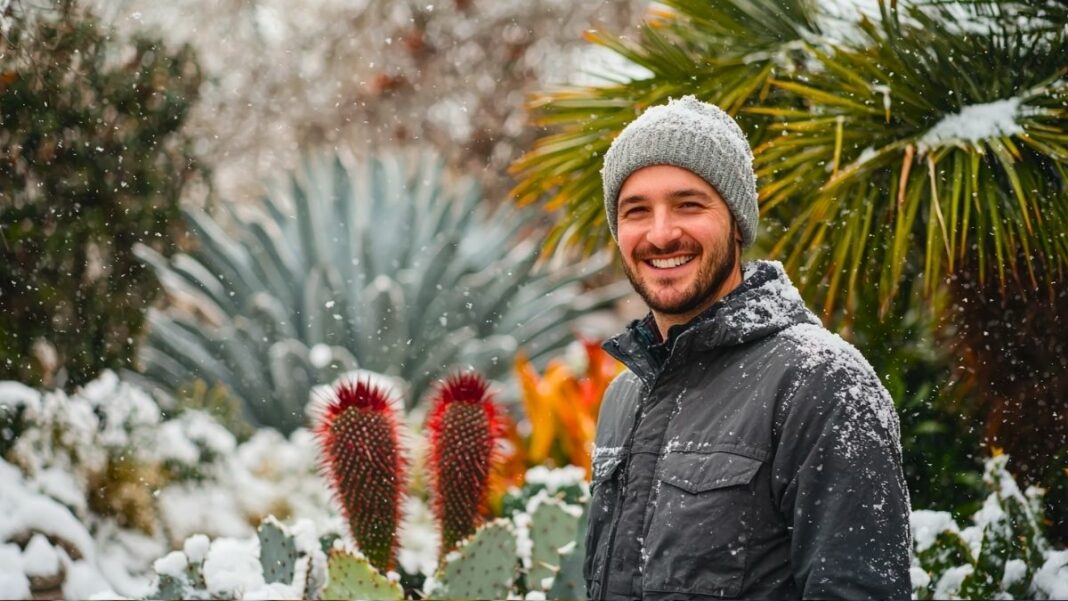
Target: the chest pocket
pixel 698 538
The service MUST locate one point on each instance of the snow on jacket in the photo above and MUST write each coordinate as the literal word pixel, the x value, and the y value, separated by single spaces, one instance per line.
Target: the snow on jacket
pixel 757 457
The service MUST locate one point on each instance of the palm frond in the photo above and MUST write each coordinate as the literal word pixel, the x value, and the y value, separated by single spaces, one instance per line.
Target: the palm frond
pixel 963 137
pixel 721 52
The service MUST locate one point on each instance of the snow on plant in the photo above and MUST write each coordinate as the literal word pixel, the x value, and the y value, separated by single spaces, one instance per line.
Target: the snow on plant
pixel 279 562
pixel 109 486
pixel 1003 551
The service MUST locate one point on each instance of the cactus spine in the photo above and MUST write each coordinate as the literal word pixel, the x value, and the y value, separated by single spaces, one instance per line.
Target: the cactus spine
pixel 359 438
pixel 464 428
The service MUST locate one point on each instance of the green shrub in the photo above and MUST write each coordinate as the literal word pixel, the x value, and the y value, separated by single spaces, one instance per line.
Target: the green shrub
pixel 1003 554
pixel 92 161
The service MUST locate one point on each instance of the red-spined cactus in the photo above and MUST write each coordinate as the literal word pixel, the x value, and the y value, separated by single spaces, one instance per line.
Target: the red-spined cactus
pixel 464 428
pixel 360 439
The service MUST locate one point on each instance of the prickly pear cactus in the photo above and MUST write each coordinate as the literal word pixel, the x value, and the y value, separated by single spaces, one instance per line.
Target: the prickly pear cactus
pixel 359 436
pixel 481 567
pixel 353 577
pixel 278 552
pixel 569 582
pixel 551 524
pixel 180 574
pixel 464 427
pixel 170 587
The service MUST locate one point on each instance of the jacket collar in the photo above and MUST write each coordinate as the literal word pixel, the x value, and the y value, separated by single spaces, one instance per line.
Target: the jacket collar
pixel 765 303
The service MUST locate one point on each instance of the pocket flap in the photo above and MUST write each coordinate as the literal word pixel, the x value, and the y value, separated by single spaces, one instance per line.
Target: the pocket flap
pixel 699 472
pixel 605 462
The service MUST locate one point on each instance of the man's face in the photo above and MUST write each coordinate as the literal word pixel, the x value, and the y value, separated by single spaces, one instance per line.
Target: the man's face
pixel 676 238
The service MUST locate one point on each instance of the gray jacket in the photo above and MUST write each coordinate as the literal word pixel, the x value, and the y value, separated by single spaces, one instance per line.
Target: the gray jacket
pixel 756 455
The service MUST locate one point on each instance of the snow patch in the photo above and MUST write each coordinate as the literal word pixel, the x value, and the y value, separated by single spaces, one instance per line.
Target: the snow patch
pixel 233 567
pixel 39 558
pixel 927 525
pixel 1052 578
pixel 196 548
pixel 976 122
pixel 556 479
pixel 1015 571
pixel 949 584
pixel 172 564
pixel 13 582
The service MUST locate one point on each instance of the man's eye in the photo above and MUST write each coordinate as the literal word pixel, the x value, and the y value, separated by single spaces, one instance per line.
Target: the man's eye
pixel 634 211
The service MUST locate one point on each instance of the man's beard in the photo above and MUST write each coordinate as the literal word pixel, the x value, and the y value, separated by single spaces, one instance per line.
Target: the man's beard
pixel 713 272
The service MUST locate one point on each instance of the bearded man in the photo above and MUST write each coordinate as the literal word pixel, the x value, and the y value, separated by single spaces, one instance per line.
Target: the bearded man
pixel 746 452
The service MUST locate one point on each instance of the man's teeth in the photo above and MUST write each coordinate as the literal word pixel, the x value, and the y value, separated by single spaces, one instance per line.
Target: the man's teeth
pixel 672 262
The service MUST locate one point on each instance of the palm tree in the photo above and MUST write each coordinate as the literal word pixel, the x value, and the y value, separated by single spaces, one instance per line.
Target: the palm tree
pixel 923 144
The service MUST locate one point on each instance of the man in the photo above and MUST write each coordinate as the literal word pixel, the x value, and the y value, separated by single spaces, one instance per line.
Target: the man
pixel 747 451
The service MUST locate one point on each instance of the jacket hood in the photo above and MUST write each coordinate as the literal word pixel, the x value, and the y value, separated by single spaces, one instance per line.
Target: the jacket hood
pixel 769 304
pixel 766 303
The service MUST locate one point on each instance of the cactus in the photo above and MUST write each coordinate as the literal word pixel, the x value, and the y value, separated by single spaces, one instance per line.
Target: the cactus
pixel 360 442
pixel 483 567
pixel 570 582
pixel 278 552
pixel 464 429
pixel 186 583
pixel 552 524
pixel 353 577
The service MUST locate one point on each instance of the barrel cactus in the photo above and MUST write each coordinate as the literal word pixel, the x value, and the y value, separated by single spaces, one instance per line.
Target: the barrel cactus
pixel 464 429
pixel 360 440
pixel 388 266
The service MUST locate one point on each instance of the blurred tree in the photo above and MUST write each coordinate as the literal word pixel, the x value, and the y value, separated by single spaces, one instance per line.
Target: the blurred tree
pixel 369 74
pixel 921 142
pixel 91 162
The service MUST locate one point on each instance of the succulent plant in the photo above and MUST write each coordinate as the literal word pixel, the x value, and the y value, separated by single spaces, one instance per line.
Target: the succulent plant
pixel 382 267
pixel 353 577
pixel 464 428
pixel 278 552
pixel 360 440
pixel 551 526
pixel 569 582
pixel 483 567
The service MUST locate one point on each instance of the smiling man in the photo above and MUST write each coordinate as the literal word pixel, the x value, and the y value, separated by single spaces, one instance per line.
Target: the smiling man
pixel 747 452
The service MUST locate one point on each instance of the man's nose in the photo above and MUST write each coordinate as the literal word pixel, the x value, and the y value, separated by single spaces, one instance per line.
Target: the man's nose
pixel 664 231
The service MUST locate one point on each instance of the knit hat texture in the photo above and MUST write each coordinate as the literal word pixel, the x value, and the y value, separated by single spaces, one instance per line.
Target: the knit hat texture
pixel 693 135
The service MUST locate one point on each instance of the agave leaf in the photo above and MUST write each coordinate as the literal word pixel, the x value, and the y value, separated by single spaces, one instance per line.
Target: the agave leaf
pixel 382 262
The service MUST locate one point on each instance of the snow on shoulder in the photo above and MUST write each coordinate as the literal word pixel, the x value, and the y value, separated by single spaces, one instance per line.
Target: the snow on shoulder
pixel 854 384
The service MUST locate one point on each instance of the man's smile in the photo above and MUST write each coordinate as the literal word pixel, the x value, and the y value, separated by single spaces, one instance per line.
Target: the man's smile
pixel 670 262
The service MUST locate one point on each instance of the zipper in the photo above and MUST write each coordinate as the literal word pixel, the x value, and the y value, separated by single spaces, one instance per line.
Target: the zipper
pixel 627 360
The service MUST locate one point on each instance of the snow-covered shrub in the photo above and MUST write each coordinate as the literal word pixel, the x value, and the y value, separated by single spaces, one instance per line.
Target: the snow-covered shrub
pixel 1001 555
pixel 97 484
pixel 279 562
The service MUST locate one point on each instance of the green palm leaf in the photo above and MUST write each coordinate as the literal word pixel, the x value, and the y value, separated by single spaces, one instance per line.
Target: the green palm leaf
pixel 723 52
pixel 860 171
pixel 963 136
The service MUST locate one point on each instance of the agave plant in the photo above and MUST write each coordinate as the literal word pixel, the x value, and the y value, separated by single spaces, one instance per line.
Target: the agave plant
pixel 382 267
pixel 924 141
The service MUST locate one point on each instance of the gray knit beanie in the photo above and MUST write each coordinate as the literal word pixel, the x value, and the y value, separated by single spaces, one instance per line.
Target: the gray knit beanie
pixel 693 135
